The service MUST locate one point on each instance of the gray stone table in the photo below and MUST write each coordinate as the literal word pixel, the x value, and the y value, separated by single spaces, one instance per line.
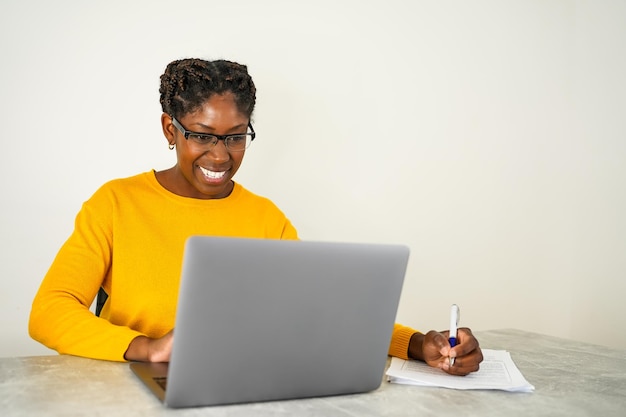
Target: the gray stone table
pixel 570 378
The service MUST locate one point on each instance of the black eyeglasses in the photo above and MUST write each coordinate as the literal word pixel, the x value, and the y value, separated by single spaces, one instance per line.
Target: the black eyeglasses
pixel 236 143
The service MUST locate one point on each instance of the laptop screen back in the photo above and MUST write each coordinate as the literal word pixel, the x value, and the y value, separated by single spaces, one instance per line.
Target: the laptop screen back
pixel 262 320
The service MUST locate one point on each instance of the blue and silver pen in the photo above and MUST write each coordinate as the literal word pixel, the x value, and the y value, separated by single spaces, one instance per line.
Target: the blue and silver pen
pixel 455 314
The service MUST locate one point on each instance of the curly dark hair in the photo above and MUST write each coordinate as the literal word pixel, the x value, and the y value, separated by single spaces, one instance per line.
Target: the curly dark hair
pixel 187 84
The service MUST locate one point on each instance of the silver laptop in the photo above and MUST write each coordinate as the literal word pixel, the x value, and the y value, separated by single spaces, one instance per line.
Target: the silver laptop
pixel 262 320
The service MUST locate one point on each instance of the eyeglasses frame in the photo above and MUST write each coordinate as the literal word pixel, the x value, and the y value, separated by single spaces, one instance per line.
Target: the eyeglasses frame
pixel 186 133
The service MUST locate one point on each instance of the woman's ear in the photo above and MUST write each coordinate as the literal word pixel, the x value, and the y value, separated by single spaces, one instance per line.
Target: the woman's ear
pixel 168 128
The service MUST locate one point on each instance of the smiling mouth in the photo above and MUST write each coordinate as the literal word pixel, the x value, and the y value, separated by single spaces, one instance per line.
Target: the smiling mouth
pixel 212 175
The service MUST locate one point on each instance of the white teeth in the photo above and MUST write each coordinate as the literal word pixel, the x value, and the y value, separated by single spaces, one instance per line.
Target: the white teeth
pixel 212 174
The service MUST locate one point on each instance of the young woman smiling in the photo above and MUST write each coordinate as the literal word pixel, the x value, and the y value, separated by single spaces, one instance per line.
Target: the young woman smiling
pixel 129 236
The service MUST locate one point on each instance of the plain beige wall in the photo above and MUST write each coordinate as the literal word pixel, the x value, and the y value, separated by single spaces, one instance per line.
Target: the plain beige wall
pixel 489 136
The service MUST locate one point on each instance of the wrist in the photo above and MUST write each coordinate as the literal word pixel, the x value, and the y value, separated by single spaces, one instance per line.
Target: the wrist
pixel 138 349
pixel 416 346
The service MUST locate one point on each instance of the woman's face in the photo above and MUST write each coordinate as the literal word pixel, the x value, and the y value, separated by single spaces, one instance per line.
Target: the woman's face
pixel 201 173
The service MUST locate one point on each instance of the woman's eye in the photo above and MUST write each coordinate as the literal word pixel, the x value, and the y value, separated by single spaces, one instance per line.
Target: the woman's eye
pixel 202 138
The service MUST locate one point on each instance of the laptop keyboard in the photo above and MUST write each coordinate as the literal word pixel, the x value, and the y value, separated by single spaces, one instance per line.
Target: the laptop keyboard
pixel 161 381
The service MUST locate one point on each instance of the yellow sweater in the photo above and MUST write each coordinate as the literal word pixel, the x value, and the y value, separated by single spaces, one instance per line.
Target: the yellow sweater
pixel 129 238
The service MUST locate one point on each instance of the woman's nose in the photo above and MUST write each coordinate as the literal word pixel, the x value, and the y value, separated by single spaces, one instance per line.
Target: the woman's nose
pixel 219 151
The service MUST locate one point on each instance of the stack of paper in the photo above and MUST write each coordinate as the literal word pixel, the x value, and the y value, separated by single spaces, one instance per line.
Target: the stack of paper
pixel 497 371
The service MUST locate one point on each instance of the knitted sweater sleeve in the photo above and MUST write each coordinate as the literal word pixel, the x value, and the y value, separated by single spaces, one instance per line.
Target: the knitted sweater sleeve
pixel 60 317
pixel 400 338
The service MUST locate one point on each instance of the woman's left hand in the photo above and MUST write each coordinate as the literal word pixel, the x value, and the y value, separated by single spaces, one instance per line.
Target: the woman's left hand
pixel 434 349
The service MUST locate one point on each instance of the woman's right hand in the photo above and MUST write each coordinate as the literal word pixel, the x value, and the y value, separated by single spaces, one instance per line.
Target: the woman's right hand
pixel 145 349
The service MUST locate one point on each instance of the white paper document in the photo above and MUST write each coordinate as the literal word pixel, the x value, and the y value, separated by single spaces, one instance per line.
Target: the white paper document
pixel 497 371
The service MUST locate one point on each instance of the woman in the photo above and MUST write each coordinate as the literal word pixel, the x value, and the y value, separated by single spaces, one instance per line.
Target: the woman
pixel 129 236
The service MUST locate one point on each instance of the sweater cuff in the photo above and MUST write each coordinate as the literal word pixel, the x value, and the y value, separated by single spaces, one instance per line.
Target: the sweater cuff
pixel 400 339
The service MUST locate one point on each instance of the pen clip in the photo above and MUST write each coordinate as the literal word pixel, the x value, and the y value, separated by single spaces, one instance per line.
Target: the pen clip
pixel 455 316
pixel 458 315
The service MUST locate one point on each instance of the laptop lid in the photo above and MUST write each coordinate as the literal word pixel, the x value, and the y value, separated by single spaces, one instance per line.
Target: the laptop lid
pixel 261 320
